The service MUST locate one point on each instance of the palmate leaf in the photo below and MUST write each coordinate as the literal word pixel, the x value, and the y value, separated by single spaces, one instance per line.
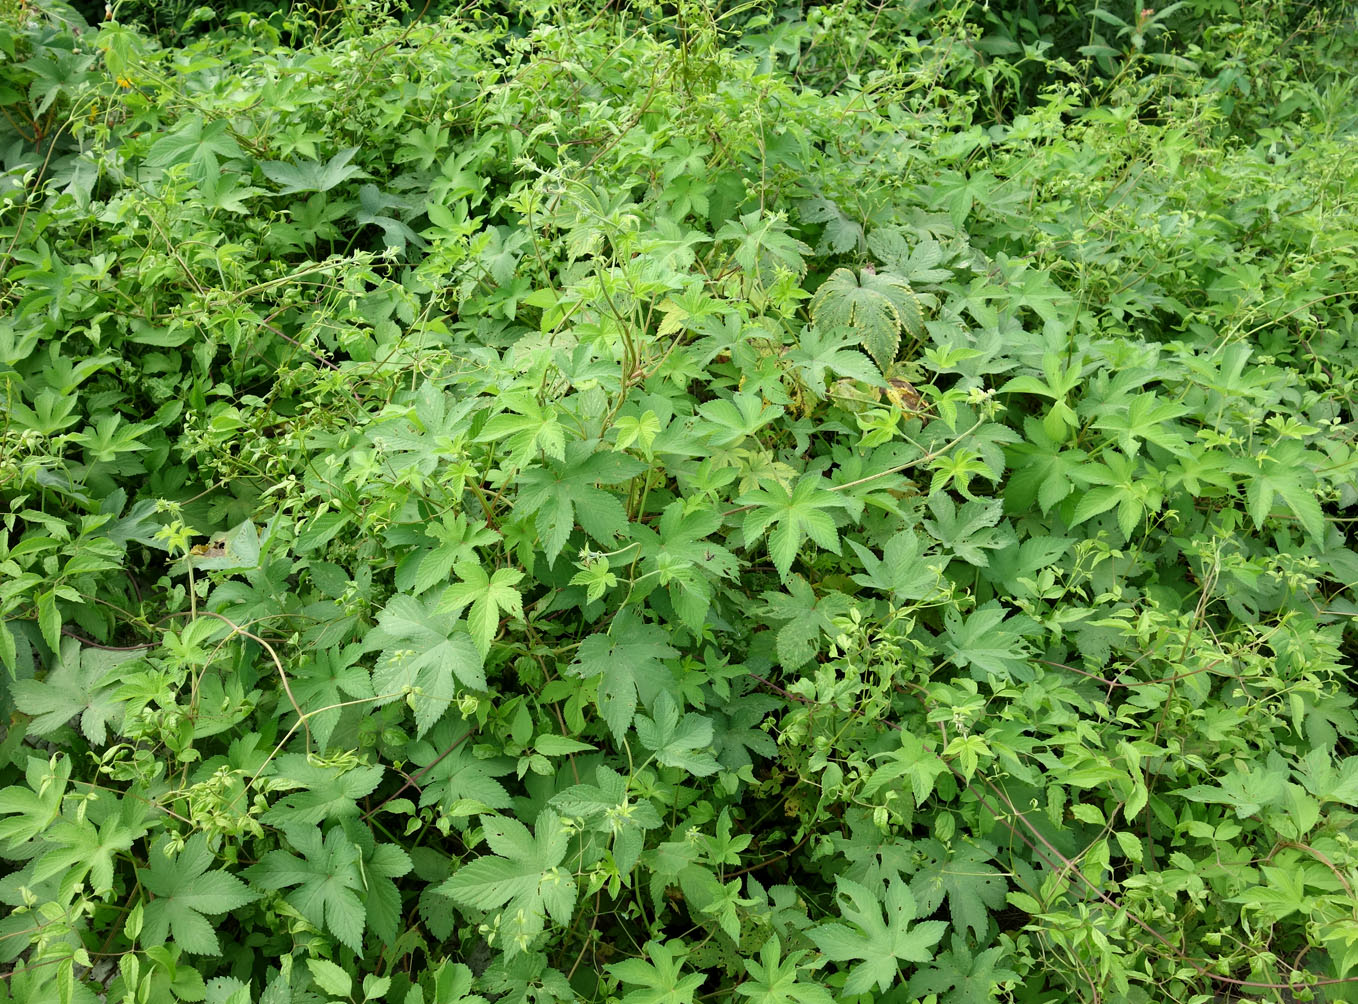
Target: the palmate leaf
pixel 820 352
pixel 1286 471
pixel 903 571
pixel 681 556
pixel 659 982
pixel 186 893
pixel 964 875
pixel 453 777
pixel 425 654
pixel 30 811
pixel 330 791
pixel 763 245
pixel 988 643
pixel 795 516
pixel 80 847
pixel 563 492
pixel 880 943
pixel 678 742
pixel 489 596
pixel 606 806
pixel 627 661
pixel 524 880
pixel 773 979
pixel 968 532
pixel 805 616
pixel 878 306
pixel 197 143
pixel 311 175
pixel 968 978
pixel 736 735
pixel 326 678
pixel 332 885
pixel 80 684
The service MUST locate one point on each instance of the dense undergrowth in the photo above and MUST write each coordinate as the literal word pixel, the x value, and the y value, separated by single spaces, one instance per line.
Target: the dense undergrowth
pixel 666 504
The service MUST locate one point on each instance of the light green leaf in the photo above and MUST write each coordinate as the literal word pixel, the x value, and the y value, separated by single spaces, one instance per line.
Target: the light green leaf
pixel 330 977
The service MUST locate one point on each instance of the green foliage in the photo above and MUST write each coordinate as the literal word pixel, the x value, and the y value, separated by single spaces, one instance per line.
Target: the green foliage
pixel 678 503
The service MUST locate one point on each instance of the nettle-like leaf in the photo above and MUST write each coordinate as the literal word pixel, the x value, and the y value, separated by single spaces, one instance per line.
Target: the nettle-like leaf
pixel 880 934
pixel 877 306
pixel 81 684
pixel 186 893
pixel 627 663
pixel 426 654
pixel 525 881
